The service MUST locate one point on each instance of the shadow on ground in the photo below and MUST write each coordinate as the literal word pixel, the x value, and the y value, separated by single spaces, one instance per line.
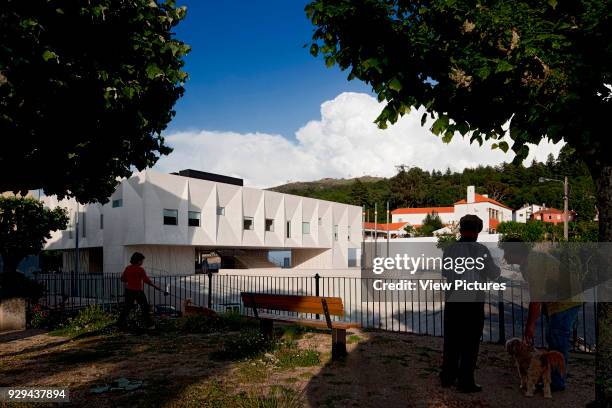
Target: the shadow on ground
pixel 401 370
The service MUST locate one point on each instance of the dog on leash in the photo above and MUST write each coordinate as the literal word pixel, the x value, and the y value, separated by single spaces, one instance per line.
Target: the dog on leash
pixel 534 365
pixel 190 310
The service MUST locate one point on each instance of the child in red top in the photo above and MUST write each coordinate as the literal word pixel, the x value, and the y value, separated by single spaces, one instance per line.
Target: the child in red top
pixel 135 277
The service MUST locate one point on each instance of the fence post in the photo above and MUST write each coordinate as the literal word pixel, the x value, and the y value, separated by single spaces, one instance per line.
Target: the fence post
pixel 502 317
pixel 209 273
pixel 317 277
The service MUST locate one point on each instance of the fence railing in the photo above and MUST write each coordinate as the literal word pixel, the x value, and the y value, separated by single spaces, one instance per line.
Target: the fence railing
pixel 417 311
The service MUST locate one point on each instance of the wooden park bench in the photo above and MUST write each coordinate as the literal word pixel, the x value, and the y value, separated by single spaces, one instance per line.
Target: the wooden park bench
pixel 326 306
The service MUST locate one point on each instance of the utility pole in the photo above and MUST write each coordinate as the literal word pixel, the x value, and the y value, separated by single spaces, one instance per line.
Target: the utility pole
pixel 388 232
pixel 76 242
pixel 375 226
pixel 565 209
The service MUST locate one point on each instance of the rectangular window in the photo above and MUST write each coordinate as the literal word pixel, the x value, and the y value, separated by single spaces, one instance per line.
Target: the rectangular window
pixel 335 232
pixel 220 210
pixel 117 203
pixel 170 217
pixel 306 228
pixel 269 225
pixel 193 218
pixel 288 230
pixel 352 257
pixel 247 223
pixel 348 232
pixel 83 225
pixel 101 221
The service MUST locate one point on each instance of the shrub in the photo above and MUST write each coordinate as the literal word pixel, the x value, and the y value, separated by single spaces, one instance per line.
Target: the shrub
pixel 245 344
pixel 88 320
pixel 230 321
pixel 16 284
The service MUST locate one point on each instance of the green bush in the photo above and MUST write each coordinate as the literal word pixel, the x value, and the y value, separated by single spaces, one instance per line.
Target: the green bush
pixel 230 321
pixel 245 344
pixel 16 284
pixel 88 320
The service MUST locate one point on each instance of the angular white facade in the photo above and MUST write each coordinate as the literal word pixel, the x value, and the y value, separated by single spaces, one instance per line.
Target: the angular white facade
pixel 320 234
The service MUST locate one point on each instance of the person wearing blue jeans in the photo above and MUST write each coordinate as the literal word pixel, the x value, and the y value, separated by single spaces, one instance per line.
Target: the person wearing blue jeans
pixel 558 337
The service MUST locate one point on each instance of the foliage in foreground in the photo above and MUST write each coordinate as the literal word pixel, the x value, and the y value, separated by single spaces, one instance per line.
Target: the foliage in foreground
pixel 25 225
pixel 92 102
pixel 91 319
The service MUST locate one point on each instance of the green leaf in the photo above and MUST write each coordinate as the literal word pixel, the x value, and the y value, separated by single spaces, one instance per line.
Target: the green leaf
pixel 153 71
pixel 440 125
pixel 504 146
pixel 553 3
pixel 314 50
pixel 424 119
pixel 47 55
pixel 448 136
pixel 329 62
pixel 503 66
pixel 395 85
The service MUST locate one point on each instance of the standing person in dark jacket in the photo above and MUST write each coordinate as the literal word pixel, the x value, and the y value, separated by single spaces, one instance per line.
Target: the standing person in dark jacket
pixel 464 310
pixel 134 277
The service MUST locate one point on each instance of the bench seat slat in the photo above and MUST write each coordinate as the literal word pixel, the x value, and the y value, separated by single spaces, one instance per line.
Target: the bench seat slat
pixel 291 303
pixel 309 322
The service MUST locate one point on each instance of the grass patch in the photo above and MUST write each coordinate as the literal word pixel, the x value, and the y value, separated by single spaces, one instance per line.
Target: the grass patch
pixel 252 372
pixel 89 321
pixel 353 338
pixel 291 357
pixel 245 344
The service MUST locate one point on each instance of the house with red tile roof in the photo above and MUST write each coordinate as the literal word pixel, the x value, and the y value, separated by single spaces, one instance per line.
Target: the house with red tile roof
pixel 491 211
pixel 552 215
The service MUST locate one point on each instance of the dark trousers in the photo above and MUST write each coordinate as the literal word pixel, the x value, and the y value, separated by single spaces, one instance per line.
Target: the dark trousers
pixel 463 324
pixel 139 297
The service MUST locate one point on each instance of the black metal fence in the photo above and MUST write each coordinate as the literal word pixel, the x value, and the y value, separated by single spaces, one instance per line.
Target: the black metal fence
pixel 415 311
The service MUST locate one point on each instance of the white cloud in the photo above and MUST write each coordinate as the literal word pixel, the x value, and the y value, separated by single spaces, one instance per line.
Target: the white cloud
pixel 344 142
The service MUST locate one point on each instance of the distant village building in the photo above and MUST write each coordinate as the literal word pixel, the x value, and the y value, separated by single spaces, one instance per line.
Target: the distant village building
pixel 490 211
pixel 524 213
pixel 552 215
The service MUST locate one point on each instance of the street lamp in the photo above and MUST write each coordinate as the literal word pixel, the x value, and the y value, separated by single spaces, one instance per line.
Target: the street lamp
pixel 565 203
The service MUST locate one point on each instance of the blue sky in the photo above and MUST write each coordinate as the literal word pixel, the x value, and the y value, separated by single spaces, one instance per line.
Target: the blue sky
pixel 258 106
pixel 248 70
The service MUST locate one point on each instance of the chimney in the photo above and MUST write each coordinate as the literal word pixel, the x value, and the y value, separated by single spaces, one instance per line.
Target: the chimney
pixel 471 195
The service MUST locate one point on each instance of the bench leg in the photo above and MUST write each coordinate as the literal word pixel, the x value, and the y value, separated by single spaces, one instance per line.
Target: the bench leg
pixel 338 343
pixel 266 327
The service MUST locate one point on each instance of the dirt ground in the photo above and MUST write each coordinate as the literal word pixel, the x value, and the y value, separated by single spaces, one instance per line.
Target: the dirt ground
pixel 382 370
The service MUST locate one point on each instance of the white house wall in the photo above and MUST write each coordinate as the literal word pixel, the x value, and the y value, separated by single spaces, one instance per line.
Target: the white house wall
pixel 139 220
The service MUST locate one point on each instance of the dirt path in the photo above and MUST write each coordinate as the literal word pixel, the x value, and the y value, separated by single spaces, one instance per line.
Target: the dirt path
pixel 382 370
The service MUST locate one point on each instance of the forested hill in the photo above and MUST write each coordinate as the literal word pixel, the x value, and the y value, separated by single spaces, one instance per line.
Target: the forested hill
pixel 513 185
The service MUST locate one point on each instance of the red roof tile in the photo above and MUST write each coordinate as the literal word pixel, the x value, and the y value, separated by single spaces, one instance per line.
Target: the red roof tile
pixel 393 226
pixel 479 198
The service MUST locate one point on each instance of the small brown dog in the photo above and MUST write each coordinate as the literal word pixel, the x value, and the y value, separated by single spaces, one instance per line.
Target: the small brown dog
pixel 190 310
pixel 534 365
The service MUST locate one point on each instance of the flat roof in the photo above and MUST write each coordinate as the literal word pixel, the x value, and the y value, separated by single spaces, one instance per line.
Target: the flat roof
pixel 202 175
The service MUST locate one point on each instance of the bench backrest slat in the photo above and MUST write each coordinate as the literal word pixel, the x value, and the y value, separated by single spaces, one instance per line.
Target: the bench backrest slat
pixel 293 303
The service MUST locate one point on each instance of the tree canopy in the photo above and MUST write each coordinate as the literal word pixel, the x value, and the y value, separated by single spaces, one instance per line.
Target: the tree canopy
pixel 25 225
pixel 478 67
pixel 86 87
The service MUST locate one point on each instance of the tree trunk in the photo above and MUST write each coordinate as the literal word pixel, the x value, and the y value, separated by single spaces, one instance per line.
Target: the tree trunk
pixel 603 359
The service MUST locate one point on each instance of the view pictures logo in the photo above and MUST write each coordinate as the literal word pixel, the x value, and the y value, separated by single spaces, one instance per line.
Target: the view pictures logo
pixel 412 264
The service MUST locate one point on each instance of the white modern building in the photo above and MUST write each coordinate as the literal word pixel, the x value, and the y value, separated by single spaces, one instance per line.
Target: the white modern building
pixel 491 212
pixel 179 220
